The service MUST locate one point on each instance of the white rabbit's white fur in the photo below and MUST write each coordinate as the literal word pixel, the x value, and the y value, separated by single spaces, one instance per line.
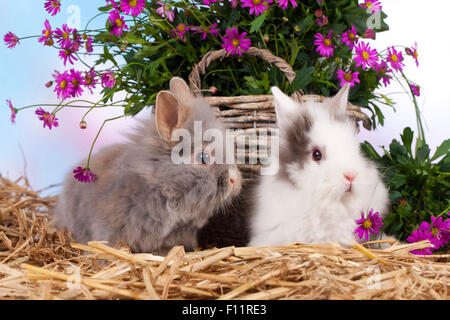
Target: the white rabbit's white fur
pixel 310 203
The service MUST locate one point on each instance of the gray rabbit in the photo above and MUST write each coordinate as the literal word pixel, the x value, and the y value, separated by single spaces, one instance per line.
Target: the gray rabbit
pixel 141 196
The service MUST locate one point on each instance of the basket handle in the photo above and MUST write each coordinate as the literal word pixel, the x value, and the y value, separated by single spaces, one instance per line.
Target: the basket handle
pixel 200 67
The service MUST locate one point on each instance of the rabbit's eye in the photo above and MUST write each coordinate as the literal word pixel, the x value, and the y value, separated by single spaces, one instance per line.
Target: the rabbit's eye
pixel 203 158
pixel 316 155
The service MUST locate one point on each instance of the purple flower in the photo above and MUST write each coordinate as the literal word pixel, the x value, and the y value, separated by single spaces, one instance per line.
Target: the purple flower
pixel 369 34
pixel 180 31
pixel 365 56
pixel 350 37
pixel 235 42
pixel 413 53
pixel 257 7
pixel 88 44
pixel 348 77
pixel 108 80
pixel 117 23
pixel 90 80
pixel 415 89
pixel 47 33
pixel 373 5
pixel 75 80
pixel 13 111
pixel 62 87
pixel 383 70
pixel 84 175
pixel 284 3
pixel 439 231
pixel 165 11
pixel 322 21
pixel 11 40
pixel 66 54
pixel 371 224
pixel 419 235
pixel 52 6
pixel 324 45
pixel 64 36
pixel 395 58
pixel 49 119
pixel 205 30
pixel 133 7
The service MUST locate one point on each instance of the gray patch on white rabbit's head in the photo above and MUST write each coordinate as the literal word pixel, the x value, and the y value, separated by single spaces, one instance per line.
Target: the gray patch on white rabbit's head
pixel 294 144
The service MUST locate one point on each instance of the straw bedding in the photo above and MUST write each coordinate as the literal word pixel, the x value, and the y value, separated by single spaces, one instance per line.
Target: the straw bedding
pixel 40 262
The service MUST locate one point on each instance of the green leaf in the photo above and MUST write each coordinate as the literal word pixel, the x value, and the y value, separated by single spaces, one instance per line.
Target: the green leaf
pixel 398 180
pixel 257 23
pixel 369 151
pixel 303 78
pixel 422 153
pixel 407 138
pixel 148 51
pixel 443 149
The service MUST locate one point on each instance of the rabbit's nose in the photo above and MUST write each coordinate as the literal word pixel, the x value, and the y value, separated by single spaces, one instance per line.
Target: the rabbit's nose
pixel 350 176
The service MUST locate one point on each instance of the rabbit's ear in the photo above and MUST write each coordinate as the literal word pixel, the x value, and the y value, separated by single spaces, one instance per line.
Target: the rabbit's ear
pixel 340 100
pixel 180 89
pixel 168 114
pixel 285 107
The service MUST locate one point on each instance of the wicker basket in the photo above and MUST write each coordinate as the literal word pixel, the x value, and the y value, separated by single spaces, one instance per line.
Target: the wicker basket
pixel 251 115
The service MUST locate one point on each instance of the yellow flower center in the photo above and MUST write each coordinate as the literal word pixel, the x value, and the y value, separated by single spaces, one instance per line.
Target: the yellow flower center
pixel 235 42
pixel 365 55
pixel 327 42
pixel 181 27
pixel 67 52
pixel 50 42
pixel 369 4
pixel 367 224
pixel 55 4
pixel 415 54
pixel 256 2
pixel 133 3
pixel 75 82
pixel 47 33
pixel 434 231
pixel 65 35
pixel 119 23
pixel 394 58
pixel 351 35
pixel 63 84
pixel 348 77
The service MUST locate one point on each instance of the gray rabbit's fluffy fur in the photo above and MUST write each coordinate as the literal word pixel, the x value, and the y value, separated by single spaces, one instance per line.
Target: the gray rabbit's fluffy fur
pixel 140 196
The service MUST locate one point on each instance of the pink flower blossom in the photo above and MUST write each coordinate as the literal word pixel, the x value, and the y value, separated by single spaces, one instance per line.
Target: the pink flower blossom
pixel 322 21
pixel 372 224
pixel 48 119
pixel 13 111
pixel 373 5
pixel 415 89
pixel 438 230
pixel 324 45
pixel 350 37
pixel 235 42
pixel 11 40
pixel 348 77
pixel 383 70
pixel 369 34
pixel 365 56
pixel 257 7
pixel 64 36
pixel 84 175
pixel 133 7
pixel 90 80
pixel 76 81
pixel 284 3
pixel 52 6
pixel 180 31
pixel 204 31
pixel 165 11
pixel 419 235
pixel 88 44
pixel 413 53
pixel 67 55
pixel 395 58
pixel 62 87
pixel 117 23
pixel 47 33
pixel 108 80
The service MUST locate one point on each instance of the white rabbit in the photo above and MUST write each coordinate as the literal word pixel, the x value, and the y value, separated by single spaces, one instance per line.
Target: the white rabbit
pixel 323 182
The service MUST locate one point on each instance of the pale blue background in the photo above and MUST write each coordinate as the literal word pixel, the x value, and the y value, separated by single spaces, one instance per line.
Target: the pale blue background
pixel 51 154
